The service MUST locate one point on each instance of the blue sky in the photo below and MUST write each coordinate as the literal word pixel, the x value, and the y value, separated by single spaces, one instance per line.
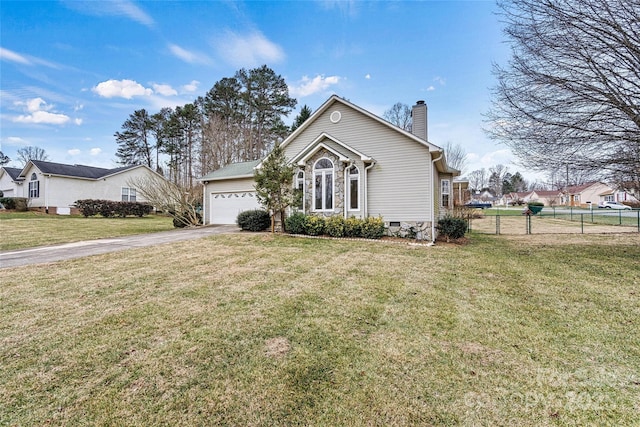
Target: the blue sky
pixel 73 71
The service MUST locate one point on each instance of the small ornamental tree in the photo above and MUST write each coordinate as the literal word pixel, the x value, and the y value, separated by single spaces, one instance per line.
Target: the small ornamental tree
pixel 274 185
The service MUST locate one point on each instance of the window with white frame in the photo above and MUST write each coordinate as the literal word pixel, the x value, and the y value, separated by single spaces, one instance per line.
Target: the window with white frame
pixel 128 194
pixel 609 198
pixel 300 188
pixel 323 185
pixel 445 191
pixel 354 188
pixel 34 187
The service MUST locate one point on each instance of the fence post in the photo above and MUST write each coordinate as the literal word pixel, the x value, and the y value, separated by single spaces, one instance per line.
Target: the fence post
pixel 582 223
pixel 619 216
pixel 497 224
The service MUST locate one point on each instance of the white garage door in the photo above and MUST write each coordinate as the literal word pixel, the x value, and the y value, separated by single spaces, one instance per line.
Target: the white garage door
pixel 225 207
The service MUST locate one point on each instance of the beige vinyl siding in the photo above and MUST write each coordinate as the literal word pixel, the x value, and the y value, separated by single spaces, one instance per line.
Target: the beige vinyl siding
pixel 399 184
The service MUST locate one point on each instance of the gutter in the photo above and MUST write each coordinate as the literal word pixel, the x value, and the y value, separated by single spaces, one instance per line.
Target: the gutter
pixel 365 212
pixel 433 204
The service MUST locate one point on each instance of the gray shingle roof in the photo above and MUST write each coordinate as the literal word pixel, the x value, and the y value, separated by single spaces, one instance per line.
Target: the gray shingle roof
pixel 232 170
pixel 14 173
pixel 78 171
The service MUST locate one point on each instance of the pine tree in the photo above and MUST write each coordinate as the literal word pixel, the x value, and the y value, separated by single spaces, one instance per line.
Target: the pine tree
pixel 274 185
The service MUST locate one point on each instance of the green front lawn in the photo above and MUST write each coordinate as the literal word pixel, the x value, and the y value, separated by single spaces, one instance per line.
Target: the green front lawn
pixel 261 330
pixel 21 230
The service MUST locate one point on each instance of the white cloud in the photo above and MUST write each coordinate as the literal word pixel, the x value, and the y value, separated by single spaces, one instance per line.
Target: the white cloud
pixel 9 55
pixel 15 140
pixel 367 76
pixel 78 107
pixel 74 152
pixel 192 57
pixel 95 151
pixel 112 8
pixel 250 50
pixel 43 117
pixel 165 90
pixel 77 121
pixel 191 87
pixel 440 80
pixel 121 88
pixel 307 86
pixel 39 113
pixel 431 88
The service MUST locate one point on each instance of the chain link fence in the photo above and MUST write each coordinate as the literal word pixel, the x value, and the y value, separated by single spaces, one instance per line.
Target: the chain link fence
pixel 554 221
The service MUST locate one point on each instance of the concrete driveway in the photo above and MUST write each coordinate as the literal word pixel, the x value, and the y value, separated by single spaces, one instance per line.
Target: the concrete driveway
pixel 66 251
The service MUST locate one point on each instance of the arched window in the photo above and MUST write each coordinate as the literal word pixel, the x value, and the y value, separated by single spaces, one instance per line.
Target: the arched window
pixel 34 187
pixel 323 185
pixel 300 188
pixel 354 188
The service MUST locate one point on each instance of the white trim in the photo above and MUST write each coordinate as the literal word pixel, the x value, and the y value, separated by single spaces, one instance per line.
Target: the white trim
pixel 348 193
pixel 324 173
pixel 314 146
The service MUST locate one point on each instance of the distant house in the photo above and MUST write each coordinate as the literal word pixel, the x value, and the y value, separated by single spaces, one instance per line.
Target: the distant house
pixel 549 198
pixel 55 187
pixel 350 162
pixel 10 182
pixel 590 193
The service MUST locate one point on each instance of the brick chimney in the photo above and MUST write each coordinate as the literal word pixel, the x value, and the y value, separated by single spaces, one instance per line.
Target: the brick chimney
pixel 419 120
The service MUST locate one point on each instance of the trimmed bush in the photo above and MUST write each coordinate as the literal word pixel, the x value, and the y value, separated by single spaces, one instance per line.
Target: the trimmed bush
pixel 8 202
pixel 372 228
pixel 314 225
pixel 452 228
pixel 334 226
pixel 19 204
pixel 110 208
pixel 295 224
pixel 254 220
pixel 352 227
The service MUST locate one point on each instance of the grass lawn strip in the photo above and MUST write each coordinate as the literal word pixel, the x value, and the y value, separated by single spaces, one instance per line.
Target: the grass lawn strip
pixel 22 230
pixel 270 330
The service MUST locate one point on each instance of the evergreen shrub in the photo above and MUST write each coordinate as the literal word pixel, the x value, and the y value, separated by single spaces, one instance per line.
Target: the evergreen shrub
pixel 295 224
pixel 254 220
pixel 452 228
pixel 372 228
pixel 314 225
pixel 334 226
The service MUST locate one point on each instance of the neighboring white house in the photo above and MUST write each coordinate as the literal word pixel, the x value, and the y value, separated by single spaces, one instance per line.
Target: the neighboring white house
pixel 55 187
pixel 350 162
pixel 10 183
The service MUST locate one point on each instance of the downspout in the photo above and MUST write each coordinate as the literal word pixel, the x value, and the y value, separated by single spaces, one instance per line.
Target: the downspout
pixel 204 203
pixel 365 212
pixel 433 204
pixel 346 186
pixel 46 193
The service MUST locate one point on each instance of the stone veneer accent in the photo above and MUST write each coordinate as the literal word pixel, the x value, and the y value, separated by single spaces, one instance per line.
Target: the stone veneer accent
pixel 338 183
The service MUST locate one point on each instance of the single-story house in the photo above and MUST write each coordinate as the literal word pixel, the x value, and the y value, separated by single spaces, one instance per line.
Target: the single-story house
pixel 590 193
pixel 55 187
pixel 10 182
pixel 350 162
pixel 548 197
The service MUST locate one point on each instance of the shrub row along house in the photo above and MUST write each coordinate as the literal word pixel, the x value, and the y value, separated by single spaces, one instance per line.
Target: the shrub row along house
pixel 55 187
pixel 349 162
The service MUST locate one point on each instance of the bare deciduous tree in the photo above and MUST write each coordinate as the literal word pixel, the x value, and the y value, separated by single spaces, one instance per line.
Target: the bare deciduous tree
pixel 571 91
pixel 399 115
pixel 456 156
pixel 31 153
pixel 180 202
